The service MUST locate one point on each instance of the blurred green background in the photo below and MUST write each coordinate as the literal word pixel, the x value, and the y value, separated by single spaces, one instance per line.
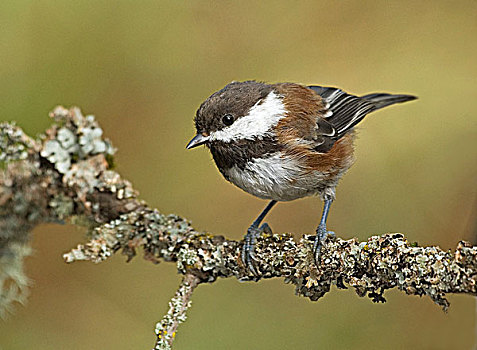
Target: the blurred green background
pixel 143 68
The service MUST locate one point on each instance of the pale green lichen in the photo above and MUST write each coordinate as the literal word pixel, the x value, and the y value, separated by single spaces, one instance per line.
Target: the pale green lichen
pixel 56 154
pixel 78 138
pixel 14 144
pixel 90 140
pixel 187 258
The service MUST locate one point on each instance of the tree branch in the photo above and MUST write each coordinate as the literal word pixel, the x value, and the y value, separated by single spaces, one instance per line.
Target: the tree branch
pixel 166 329
pixel 66 174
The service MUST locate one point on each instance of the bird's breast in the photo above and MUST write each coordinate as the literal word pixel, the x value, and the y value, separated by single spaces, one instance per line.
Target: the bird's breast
pixel 283 172
pixel 277 177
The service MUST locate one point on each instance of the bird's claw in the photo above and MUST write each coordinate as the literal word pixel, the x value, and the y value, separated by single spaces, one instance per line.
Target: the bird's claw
pixel 321 234
pixel 265 228
pixel 248 251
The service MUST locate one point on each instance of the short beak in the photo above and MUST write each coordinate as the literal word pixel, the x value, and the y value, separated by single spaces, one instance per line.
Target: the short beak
pixel 198 140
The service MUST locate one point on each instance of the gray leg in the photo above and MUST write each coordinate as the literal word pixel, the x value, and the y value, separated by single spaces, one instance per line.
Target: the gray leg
pixel 250 238
pixel 321 231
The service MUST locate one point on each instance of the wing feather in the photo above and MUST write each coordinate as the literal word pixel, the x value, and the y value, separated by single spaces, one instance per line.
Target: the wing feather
pixel 345 110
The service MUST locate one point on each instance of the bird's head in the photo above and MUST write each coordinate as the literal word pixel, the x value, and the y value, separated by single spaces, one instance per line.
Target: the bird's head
pixel 241 110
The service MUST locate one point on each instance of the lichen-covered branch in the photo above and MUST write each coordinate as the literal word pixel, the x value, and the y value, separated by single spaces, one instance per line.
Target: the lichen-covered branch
pixel 370 267
pixel 67 175
pixel 63 175
pixel 166 329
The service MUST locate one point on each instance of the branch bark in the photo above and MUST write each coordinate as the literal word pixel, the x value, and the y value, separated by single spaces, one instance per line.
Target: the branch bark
pixel 66 175
pixel 166 329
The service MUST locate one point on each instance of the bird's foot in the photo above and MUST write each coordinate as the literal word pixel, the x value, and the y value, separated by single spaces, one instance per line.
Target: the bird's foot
pixel 248 250
pixel 321 234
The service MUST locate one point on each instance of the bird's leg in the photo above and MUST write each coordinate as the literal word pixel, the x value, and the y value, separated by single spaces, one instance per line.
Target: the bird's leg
pixel 321 231
pixel 250 238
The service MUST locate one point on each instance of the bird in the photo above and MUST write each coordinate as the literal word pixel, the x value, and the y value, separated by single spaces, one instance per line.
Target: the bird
pixel 284 141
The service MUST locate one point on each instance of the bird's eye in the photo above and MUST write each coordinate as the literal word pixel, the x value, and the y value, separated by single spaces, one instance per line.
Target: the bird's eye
pixel 228 119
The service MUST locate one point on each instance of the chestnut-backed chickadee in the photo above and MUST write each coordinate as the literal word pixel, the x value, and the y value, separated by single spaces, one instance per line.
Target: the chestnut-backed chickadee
pixel 283 142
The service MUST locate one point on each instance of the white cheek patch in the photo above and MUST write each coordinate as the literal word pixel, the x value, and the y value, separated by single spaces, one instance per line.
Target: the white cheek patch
pixel 256 124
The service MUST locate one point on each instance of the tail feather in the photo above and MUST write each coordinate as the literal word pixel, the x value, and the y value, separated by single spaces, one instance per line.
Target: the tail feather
pixel 384 100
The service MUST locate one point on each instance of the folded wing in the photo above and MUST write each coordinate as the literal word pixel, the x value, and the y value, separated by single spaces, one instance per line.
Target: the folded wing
pixel 344 111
